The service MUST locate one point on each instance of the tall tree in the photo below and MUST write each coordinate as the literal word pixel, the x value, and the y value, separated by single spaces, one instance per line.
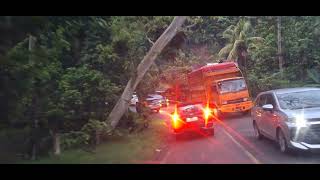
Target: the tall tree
pixel 122 104
pixel 280 53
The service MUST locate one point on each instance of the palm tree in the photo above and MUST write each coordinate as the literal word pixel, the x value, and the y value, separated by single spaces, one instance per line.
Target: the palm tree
pixel 240 40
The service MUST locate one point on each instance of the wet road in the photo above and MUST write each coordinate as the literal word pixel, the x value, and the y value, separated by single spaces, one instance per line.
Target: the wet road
pixel 233 143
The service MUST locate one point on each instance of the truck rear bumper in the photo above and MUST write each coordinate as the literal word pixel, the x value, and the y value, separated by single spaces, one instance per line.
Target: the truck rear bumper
pixel 237 107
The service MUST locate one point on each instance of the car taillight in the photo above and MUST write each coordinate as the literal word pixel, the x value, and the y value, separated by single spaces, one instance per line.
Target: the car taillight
pixel 207 113
pixel 176 121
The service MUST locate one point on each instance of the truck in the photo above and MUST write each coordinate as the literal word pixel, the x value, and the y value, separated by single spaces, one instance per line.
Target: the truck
pixel 220 85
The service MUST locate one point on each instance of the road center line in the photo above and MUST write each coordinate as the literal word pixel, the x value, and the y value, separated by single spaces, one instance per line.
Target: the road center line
pixel 251 156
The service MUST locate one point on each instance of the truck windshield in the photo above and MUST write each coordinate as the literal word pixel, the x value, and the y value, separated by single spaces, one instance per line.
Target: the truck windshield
pixel 232 85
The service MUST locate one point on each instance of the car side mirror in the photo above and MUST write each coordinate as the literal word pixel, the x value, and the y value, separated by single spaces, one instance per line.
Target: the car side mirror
pixel 267 107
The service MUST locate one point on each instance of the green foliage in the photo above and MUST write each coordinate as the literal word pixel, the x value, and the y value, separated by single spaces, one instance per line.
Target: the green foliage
pixel 74 139
pixel 95 126
pixel 84 94
pixel 240 38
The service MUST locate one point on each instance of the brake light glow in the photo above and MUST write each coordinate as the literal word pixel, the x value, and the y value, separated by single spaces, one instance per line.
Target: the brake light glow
pixel 175 119
pixel 207 112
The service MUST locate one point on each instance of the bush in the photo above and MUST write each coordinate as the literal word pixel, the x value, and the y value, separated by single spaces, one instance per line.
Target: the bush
pixel 97 130
pixel 74 139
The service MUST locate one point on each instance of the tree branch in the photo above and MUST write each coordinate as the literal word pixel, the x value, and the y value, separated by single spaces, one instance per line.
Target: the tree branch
pixel 149 40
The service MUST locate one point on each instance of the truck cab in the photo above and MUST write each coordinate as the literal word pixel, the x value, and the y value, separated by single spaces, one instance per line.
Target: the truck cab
pixel 231 95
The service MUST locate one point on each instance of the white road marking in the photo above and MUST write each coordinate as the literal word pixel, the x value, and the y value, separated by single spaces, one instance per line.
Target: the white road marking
pixel 251 156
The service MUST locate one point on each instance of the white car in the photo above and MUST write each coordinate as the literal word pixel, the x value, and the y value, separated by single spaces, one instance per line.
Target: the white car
pixel 134 100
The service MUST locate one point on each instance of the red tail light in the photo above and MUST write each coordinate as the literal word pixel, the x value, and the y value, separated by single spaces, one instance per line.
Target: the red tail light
pixel 176 121
pixel 207 113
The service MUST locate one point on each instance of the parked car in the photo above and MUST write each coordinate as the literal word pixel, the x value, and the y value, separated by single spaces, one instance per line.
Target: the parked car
pixel 161 100
pixel 291 117
pixel 154 104
pixel 134 100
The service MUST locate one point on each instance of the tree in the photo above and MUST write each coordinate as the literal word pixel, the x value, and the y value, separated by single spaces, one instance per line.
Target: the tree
pixel 142 68
pixel 239 39
pixel 280 53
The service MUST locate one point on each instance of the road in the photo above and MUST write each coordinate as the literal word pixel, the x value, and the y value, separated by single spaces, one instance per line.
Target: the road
pixel 233 143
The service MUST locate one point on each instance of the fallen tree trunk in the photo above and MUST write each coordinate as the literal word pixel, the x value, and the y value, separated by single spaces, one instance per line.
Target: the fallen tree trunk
pixel 122 104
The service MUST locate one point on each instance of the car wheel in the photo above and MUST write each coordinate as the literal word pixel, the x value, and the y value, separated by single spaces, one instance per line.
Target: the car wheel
pixel 219 115
pixel 282 142
pixel 257 132
pixel 211 132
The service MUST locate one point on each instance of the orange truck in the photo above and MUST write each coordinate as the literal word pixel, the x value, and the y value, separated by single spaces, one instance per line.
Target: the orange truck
pixel 221 85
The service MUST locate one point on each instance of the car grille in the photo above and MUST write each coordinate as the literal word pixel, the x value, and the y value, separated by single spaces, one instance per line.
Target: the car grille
pixel 312 135
pixel 235 101
pixel 313 119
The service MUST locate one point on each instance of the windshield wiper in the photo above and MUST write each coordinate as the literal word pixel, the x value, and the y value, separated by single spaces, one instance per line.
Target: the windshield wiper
pixel 312 106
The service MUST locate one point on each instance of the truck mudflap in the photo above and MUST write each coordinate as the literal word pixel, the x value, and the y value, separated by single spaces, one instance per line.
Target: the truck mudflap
pixel 237 107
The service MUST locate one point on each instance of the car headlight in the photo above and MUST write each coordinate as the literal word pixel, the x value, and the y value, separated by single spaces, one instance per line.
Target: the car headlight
pixel 299 121
pixel 245 99
pixel 224 102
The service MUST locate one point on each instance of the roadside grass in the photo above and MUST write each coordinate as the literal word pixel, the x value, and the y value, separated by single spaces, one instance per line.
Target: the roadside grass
pixel 131 148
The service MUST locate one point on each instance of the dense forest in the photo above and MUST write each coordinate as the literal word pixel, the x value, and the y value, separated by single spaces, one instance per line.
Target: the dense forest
pixel 63 75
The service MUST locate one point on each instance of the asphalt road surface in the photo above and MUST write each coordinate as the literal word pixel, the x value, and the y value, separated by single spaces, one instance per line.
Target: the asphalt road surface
pixel 233 143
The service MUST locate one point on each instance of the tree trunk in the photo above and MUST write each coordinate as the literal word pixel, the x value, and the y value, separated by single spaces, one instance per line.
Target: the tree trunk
pixel 56 144
pixel 34 115
pixel 280 53
pixel 122 104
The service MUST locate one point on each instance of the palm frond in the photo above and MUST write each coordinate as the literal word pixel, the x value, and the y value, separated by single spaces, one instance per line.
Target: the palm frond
pixel 242 36
pixel 229 33
pixel 234 51
pixel 255 40
pixel 247 27
pixel 225 51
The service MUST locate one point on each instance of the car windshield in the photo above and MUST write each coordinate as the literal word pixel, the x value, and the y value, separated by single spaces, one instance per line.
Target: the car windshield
pixel 299 100
pixel 190 108
pixel 232 85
